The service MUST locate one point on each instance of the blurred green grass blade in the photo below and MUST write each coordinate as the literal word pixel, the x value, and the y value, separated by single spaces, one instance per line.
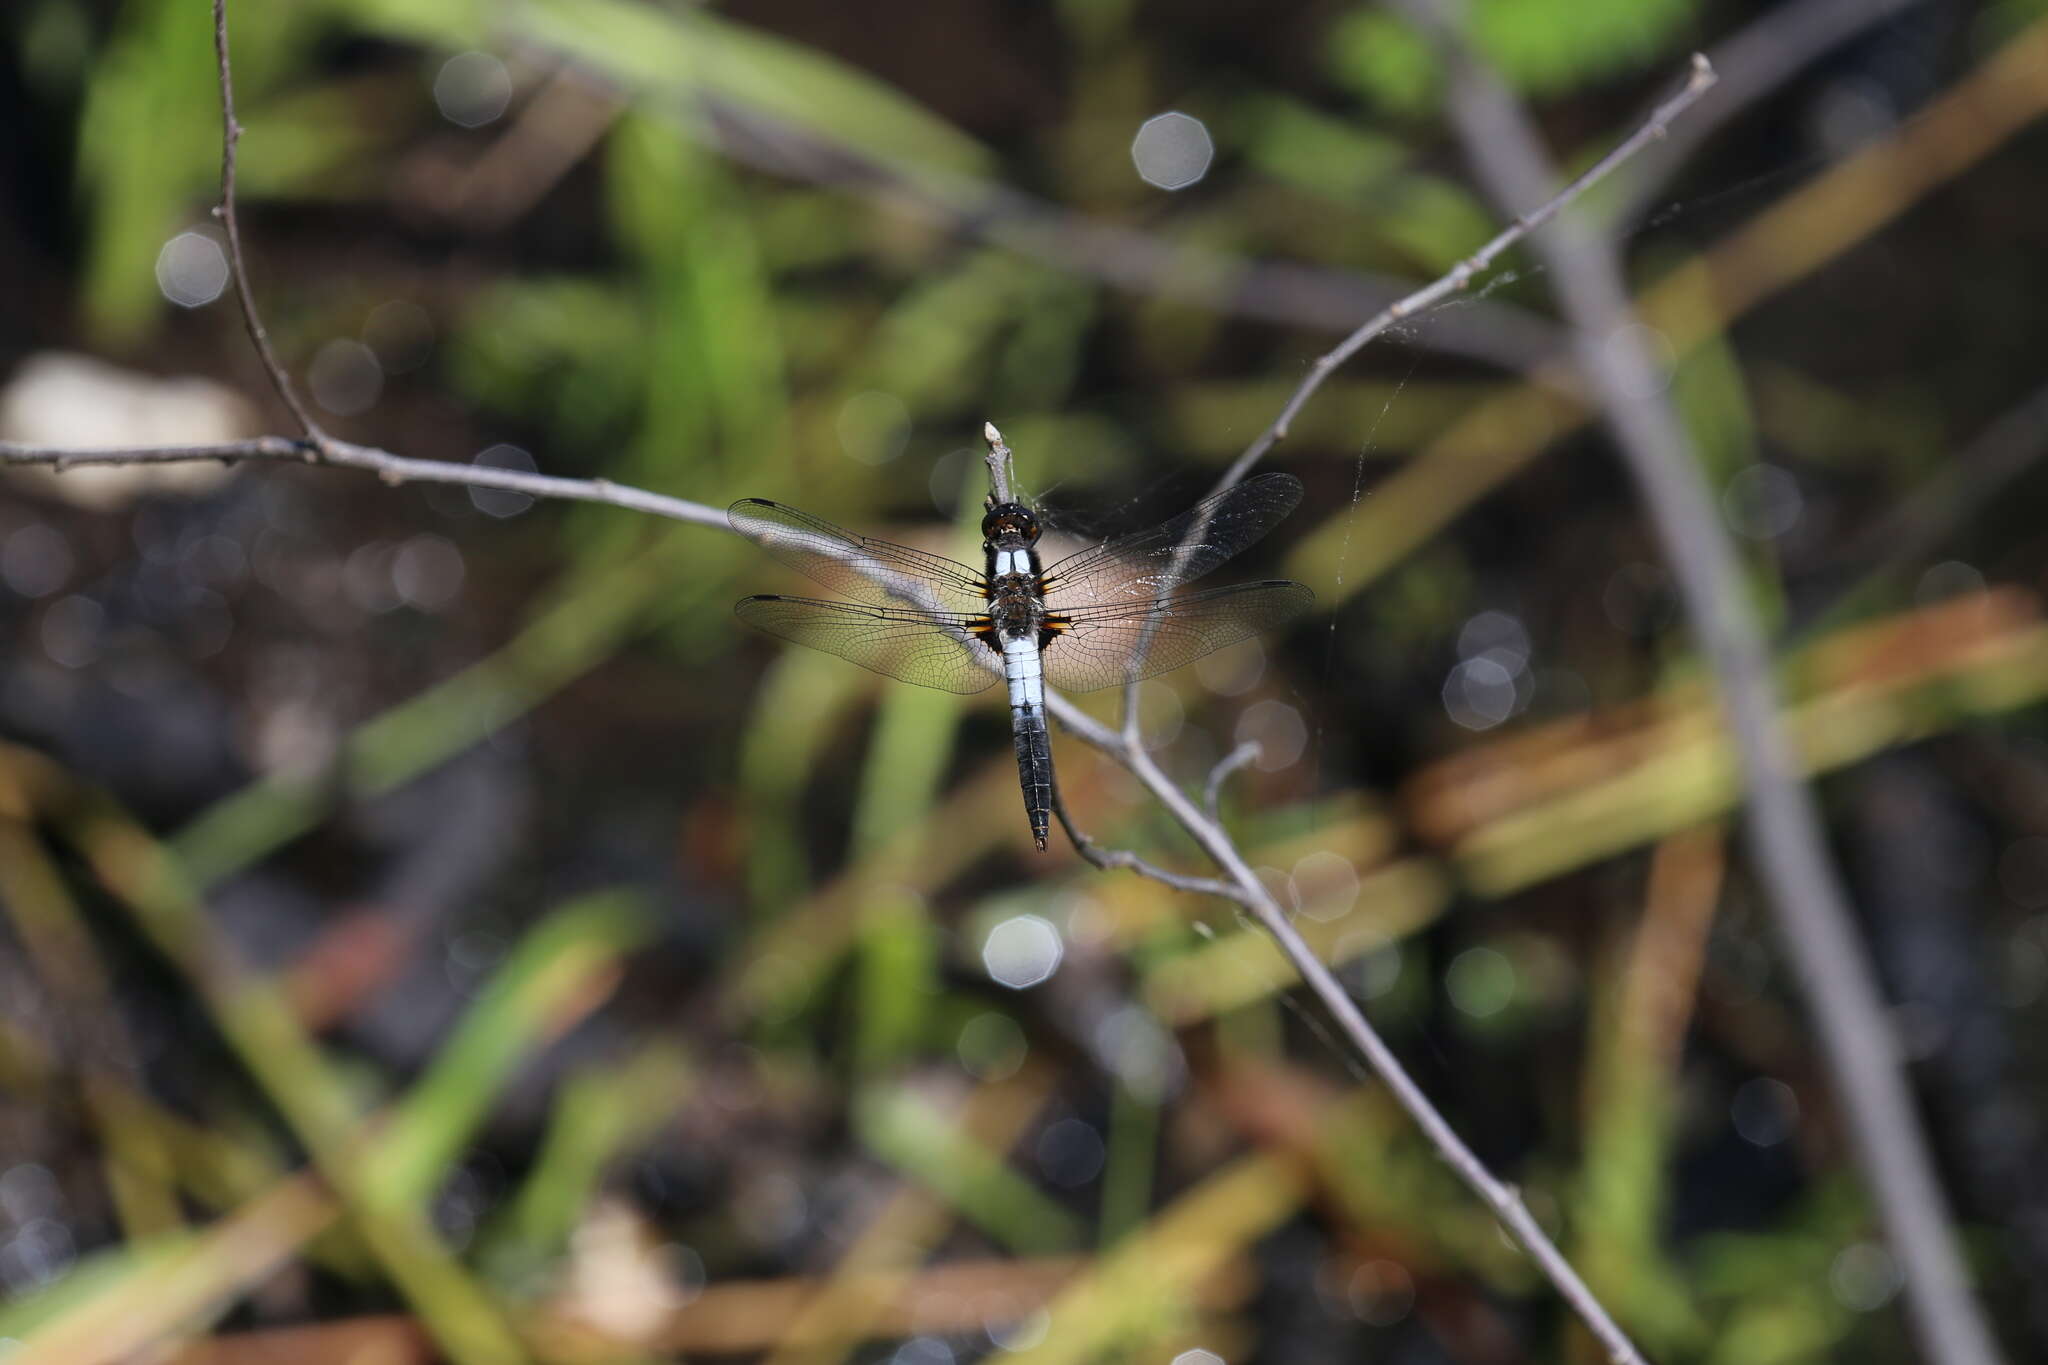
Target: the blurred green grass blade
pixel 1143 1292
pixel 898 980
pixel 897 951
pixel 588 619
pixel 663 53
pixel 914 734
pixel 568 354
pixel 259 1025
pixel 149 141
pixel 48 925
pixel 311 144
pixel 1382 1175
pixel 601 1114
pixel 801 701
pixel 180 1286
pixel 926 1147
pixel 931 349
pixel 94 1274
pixel 1330 157
pixel 1437 222
pixel 1543 47
pixel 1691 778
pixel 714 390
pixel 451 23
pixel 906 759
pixel 1551 46
pixel 1234 969
pixel 552 966
pixel 1618 1216
pixel 1129 1164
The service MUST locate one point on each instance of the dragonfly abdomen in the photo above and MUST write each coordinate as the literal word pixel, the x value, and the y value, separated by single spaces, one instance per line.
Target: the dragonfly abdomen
pixel 1025 672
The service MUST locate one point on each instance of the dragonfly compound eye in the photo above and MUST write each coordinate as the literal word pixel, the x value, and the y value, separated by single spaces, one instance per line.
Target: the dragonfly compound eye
pixel 1010 519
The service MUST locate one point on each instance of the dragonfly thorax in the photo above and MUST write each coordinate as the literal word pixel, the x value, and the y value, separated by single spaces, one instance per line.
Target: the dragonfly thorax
pixel 1016 590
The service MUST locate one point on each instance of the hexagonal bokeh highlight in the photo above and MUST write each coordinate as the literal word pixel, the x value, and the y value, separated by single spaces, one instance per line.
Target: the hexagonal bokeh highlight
pixel 1172 151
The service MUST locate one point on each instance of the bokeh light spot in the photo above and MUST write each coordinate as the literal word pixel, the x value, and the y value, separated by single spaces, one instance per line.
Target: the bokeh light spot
pixel 427 571
pixel 472 89
pixel 1172 151
pixel 991 1046
pixel 1019 1333
pixel 71 631
pixel 1480 693
pixel 502 502
pixel 1764 1111
pixel 1325 885
pixel 873 427
pixel 1381 1293
pixel 1864 1277
pixel 1022 951
pixel 923 1351
pixel 345 377
pixel 1763 502
pixel 1495 634
pixel 1481 982
pixel 36 560
pixel 192 270
pixel 1233 671
pixel 1277 729
pixel 1070 1152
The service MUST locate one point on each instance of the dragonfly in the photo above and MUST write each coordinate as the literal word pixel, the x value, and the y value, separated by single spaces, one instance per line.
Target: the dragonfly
pixel 1112 613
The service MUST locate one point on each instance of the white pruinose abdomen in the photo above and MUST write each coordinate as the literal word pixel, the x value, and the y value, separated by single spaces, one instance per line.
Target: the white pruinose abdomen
pixel 1025 672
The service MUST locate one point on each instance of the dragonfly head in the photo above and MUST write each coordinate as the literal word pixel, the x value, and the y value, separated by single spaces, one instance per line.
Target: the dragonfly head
pixel 1008 523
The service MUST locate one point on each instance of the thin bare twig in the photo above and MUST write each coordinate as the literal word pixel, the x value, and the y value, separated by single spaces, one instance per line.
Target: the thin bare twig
pixel 230 140
pixel 1499 1196
pixel 1111 859
pixel 1464 272
pixel 1784 827
pixel 998 461
pixel 1755 61
pixel 1129 749
pixel 1459 277
pixel 392 469
pixel 1212 794
pixel 317 446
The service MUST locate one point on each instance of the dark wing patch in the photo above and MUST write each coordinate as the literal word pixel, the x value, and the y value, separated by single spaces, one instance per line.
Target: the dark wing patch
pixel 1147 565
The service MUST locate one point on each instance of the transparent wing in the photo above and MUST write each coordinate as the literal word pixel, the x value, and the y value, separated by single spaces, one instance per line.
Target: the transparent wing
pixel 1123 642
pixel 1147 565
pixel 862 567
pixel 929 648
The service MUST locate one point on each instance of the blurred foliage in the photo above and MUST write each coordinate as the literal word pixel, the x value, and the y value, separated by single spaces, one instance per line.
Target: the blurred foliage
pixel 478 947
pixel 1547 47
